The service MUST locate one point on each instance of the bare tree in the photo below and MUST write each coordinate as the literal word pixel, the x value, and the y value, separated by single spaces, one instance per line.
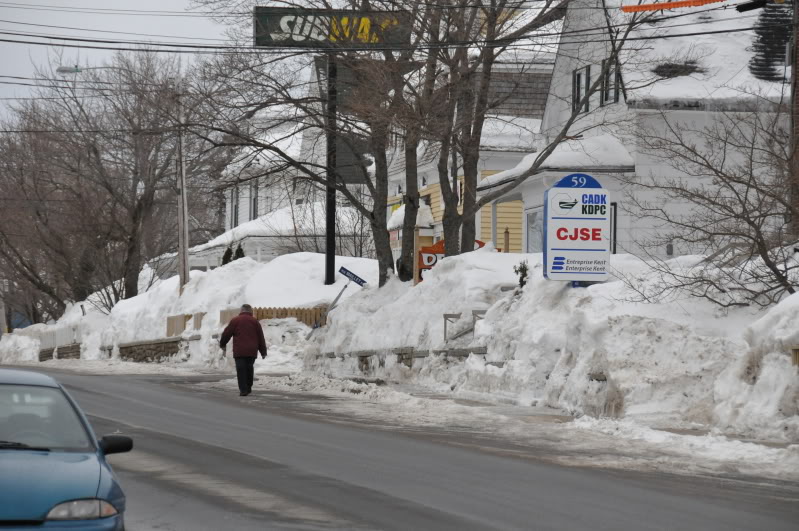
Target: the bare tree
pixel 91 169
pixel 732 180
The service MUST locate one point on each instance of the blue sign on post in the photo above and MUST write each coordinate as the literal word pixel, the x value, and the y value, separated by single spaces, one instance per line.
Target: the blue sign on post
pixel 577 230
pixel 352 276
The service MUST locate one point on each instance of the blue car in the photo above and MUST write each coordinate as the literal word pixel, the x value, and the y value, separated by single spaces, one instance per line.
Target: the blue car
pixel 53 471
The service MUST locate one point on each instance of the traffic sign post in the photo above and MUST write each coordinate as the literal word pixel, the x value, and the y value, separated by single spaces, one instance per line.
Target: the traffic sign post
pixel 577 230
pixel 351 277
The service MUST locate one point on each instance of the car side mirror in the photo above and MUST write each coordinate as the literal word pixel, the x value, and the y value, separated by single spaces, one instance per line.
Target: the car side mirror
pixel 115 444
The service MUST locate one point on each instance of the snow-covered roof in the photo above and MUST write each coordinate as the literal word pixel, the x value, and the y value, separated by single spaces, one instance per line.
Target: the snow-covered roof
pixel 304 220
pixel 720 60
pixel 509 133
pixel 597 153
pixel 281 127
pixel 424 217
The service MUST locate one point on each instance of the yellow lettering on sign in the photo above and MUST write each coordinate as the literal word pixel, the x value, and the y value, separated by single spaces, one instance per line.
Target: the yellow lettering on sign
pixel 365 30
pixel 339 28
pixel 358 29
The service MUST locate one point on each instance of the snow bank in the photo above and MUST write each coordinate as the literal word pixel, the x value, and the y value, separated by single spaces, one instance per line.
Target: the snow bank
pixel 15 348
pixel 293 280
pixel 588 351
pixel 400 314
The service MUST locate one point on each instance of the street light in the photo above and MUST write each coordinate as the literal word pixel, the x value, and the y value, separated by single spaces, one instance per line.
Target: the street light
pixel 183 215
pixel 78 69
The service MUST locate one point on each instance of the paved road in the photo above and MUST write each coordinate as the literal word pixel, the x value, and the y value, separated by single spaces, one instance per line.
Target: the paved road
pixel 207 460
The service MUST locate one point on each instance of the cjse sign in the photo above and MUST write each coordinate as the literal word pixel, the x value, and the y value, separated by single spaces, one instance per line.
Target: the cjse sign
pixel 576 229
pixel 329 28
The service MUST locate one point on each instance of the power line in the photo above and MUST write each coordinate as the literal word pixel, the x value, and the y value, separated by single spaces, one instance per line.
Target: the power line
pixel 112 31
pixel 399 7
pixel 584 31
pixel 222 50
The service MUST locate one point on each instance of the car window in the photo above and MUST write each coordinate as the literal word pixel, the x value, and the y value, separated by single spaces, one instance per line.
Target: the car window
pixel 42 417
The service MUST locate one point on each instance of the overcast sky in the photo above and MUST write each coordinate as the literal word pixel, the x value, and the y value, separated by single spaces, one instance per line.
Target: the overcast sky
pixel 19 59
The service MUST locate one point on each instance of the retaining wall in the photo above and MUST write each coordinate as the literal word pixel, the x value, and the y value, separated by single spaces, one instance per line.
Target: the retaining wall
pixel 153 350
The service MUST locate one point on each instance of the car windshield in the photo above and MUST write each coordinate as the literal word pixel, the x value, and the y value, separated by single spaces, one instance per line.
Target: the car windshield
pixel 39 417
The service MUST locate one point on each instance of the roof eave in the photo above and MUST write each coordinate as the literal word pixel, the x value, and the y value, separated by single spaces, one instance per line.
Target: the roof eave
pixel 564 169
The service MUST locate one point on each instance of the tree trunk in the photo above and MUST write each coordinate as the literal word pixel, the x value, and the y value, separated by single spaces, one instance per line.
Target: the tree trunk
pixel 405 267
pixel 468 228
pixel 133 248
pixel 378 144
pixel 452 227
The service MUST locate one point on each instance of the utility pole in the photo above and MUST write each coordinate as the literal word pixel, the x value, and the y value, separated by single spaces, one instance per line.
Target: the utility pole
pixel 794 165
pixel 3 291
pixel 183 211
pixel 330 215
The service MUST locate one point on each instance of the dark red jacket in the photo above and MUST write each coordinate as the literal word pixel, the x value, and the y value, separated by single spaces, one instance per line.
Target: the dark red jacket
pixel 247 334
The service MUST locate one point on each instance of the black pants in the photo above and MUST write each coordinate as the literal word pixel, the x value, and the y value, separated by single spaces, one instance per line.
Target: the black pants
pixel 245 370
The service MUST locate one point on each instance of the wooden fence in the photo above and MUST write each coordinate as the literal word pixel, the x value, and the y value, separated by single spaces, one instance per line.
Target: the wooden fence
pixel 310 316
pixel 176 324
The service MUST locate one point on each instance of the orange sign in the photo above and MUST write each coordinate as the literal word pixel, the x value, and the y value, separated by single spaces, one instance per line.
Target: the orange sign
pixel 667 5
pixel 429 256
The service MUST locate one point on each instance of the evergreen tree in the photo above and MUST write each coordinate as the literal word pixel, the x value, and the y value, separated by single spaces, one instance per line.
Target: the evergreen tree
pixel 773 32
pixel 228 256
pixel 239 253
pixel 522 270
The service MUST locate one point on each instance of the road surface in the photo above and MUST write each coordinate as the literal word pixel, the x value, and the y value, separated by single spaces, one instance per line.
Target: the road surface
pixel 205 459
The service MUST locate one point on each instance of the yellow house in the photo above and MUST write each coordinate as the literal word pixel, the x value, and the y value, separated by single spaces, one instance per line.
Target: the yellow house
pixel 509 216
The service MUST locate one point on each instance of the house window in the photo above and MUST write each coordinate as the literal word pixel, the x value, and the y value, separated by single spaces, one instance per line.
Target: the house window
pixel 535 231
pixel 254 200
pixel 234 210
pixel 581 82
pixel 611 81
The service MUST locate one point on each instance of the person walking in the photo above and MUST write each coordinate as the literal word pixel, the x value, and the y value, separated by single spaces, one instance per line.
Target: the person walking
pixel 248 341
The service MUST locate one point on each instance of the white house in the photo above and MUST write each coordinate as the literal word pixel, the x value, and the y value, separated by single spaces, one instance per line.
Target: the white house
pixel 681 69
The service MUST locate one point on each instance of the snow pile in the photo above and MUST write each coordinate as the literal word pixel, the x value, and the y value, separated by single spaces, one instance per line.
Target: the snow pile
pixel 293 280
pixel 400 315
pixel 679 363
pixel 15 348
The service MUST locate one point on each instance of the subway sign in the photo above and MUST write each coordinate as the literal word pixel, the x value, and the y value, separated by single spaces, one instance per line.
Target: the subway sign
pixel 329 28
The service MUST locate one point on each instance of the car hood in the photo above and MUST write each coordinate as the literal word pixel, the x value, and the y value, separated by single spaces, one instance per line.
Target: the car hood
pixel 32 483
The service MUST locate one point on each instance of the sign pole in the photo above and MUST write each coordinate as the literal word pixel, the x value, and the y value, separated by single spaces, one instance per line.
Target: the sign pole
pixel 330 221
